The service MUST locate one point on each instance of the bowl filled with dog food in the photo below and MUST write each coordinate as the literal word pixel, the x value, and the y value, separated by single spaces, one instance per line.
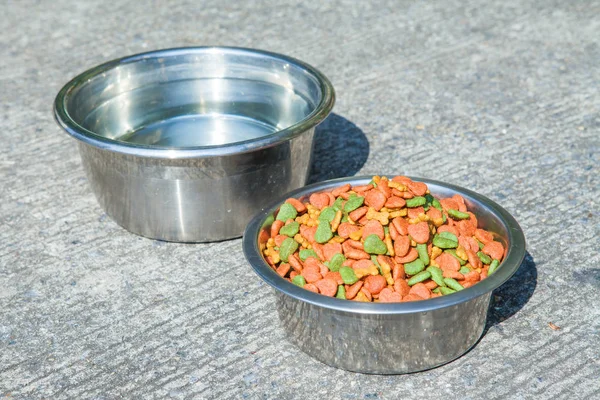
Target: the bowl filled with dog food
pixel 384 274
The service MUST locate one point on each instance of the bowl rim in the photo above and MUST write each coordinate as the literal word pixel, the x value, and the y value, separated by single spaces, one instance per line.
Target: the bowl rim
pixel 320 112
pixel 512 261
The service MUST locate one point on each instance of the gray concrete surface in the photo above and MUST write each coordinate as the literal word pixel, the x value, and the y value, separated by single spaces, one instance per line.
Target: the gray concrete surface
pixel 501 97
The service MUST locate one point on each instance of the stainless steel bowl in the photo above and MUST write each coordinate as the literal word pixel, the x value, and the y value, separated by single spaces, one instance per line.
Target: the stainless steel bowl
pixel 390 338
pixel 186 144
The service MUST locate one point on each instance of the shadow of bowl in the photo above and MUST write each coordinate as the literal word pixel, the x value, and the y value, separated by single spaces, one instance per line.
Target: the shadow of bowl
pixel 509 298
pixel 340 149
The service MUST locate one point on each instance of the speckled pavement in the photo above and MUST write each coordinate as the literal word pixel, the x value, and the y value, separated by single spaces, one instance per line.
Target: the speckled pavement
pixel 501 97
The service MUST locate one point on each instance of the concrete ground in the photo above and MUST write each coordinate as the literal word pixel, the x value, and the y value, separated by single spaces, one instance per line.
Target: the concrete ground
pixel 501 97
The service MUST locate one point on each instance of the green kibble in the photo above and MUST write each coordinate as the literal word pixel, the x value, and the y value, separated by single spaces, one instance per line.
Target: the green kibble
pixel 373 183
pixel 481 245
pixel 348 275
pixel 464 270
pixel 453 253
pixel 420 277
pixel 437 204
pixel 299 280
pixel 493 266
pixel 415 202
pixel 436 290
pixel 453 284
pixel 447 290
pixel 304 254
pixel 353 203
pixel 323 233
pixel 374 245
pixel 484 257
pixel 422 250
pixel 428 200
pixel 336 262
pixel 286 211
pixel 437 275
pixel 445 243
pixel 327 214
pixel 444 218
pixel 290 229
pixel 414 267
pixel 386 230
pixel 448 235
pixel 337 204
pixel 374 260
pixel 345 218
pixel 269 221
pixel 455 214
pixel 287 248
pixel 341 292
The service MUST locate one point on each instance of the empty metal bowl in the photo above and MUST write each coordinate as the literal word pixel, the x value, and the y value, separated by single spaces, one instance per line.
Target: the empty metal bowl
pixel 186 144
pixel 389 338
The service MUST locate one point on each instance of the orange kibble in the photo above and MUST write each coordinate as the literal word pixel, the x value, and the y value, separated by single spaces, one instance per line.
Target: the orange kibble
pixel 401 286
pixel 419 232
pixel 483 236
pixel 342 189
pixel 401 225
pixel 411 256
pixel 420 290
pixel 375 198
pixel 275 227
pixel 358 213
pixel 351 291
pixel 327 287
pixel 447 262
pixel 297 204
pixel 383 187
pixel 494 249
pixel 311 287
pixel 335 276
pixel 283 269
pixel 346 228
pixel 417 188
pixel 330 249
pixel 319 200
pixel 373 227
pixel 401 246
pixel 375 283
pixel 389 296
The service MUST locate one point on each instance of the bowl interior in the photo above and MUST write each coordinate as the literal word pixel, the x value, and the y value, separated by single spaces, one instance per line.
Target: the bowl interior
pixel 490 217
pixel 193 97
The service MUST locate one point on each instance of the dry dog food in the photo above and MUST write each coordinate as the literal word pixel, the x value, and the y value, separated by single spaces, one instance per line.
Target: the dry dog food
pixel 388 241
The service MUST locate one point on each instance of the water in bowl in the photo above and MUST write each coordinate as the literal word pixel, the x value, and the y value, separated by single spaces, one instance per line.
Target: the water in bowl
pixel 199 130
pixel 190 113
